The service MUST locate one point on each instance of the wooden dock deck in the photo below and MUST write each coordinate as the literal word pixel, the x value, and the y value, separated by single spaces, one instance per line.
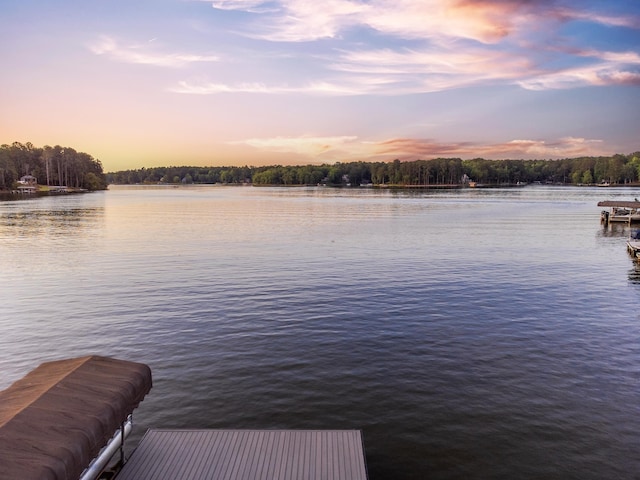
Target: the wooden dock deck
pixel 248 454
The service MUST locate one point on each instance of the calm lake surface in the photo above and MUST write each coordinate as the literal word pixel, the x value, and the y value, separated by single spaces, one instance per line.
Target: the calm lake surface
pixel 469 334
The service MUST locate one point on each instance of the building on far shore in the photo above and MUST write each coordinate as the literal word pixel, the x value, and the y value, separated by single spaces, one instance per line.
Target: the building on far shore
pixel 28 184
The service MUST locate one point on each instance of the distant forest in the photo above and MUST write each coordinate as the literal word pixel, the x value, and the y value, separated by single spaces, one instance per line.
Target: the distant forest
pixel 65 166
pixel 61 166
pixel 617 169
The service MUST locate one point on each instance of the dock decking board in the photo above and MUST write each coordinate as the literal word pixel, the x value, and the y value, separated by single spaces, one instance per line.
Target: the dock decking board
pixel 248 455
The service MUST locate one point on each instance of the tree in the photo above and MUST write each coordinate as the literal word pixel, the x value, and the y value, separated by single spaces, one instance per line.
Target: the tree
pixel 92 182
pixel 438 171
pixel 600 170
pixel 629 173
pixel 334 176
pixel 576 176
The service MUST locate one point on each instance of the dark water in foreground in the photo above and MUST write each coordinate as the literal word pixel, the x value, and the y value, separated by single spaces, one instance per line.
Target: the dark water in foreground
pixel 469 334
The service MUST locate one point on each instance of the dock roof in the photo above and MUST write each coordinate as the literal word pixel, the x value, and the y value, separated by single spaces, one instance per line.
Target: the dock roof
pixel 56 419
pixel 619 203
pixel 248 455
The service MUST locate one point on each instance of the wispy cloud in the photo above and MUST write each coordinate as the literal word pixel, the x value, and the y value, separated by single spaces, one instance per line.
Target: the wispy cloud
pixel 144 54
pixel 486 21
pixel 305 20
pixel 311 146
pixel 203 87
pixel 431 46
pixel 482 21
pixel 386 72
pixel 610 68
pixel 409 148
pixel 579 77
pixel 435 70
pixel 629 21
pixel 443 69
pixel 253 6
pixel 354 148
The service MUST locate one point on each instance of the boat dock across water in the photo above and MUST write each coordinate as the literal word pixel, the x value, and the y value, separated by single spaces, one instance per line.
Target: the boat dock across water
pixel 620 211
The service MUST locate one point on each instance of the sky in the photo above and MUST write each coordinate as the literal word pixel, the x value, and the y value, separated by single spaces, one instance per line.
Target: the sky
pixel 141 83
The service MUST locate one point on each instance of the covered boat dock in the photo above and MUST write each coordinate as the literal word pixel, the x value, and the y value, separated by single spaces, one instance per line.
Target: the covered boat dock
pixel 66 419
pixel 621 211
pixel 56 420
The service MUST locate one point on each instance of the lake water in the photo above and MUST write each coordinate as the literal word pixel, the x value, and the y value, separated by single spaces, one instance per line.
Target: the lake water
pixel 469 334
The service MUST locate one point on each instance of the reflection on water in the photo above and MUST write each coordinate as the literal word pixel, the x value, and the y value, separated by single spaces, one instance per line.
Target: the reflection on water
pixel 615 230
pixel 469 334
pixel 634 273
pixel 68 215
pixel 62 222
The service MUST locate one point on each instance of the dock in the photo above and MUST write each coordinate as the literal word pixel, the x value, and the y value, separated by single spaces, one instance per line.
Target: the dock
pixel 248 455
pixel 621 211
pixel 68 420
pixel 56 421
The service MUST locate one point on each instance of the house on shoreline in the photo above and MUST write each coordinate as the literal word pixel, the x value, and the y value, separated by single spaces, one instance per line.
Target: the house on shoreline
pixel 27 184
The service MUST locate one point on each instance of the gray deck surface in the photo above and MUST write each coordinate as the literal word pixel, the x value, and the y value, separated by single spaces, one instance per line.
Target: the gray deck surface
pixel 248 454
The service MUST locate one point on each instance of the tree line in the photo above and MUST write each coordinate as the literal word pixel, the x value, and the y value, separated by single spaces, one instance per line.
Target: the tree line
pixel 616 169
pixel 60 166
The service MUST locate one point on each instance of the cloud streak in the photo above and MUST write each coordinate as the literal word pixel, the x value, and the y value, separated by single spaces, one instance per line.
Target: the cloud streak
pixel 408 148
pixel 439 45
pixel 430 46
pixel 298 20
pixel 485 21
pixel 306 145
pixel 200 87
pixel 430 71
pixel 388 72
pixel 303 20
pixel 610 68
pixel 316 148
pixel 144 55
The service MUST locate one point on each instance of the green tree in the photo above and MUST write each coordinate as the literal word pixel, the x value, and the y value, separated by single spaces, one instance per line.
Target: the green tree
pixel 576 176
pixel 92 182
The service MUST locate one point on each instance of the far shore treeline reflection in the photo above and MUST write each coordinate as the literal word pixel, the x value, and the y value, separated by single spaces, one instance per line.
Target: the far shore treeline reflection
pixel 617 169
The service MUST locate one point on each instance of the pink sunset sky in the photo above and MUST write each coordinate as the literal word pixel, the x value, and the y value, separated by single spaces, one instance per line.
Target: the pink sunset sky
pixel 251 82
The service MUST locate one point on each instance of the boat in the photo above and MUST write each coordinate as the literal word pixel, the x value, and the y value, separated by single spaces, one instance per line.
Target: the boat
pixel 633 244
pixel 620 211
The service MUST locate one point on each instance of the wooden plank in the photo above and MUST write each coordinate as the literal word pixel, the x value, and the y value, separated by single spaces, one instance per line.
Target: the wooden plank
pixel 248 455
